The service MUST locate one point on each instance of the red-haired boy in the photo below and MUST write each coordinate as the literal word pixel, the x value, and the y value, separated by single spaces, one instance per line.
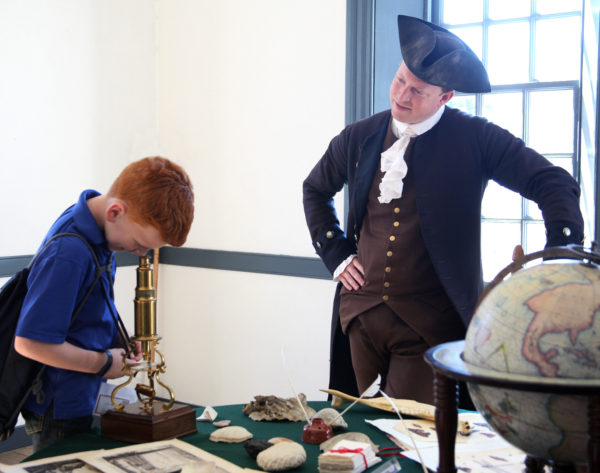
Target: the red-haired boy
pixel 149 205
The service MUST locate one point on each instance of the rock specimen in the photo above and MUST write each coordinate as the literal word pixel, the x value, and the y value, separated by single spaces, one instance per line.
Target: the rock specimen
pixel 255 446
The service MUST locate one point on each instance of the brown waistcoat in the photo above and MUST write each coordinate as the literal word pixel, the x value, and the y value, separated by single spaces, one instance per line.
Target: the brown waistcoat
pixel 398 269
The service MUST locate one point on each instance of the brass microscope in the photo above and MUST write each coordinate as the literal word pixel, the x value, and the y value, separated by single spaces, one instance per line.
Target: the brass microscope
pixel 148 419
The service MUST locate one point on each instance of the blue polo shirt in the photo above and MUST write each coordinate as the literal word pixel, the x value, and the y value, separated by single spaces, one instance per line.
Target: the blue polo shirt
pixel 57 282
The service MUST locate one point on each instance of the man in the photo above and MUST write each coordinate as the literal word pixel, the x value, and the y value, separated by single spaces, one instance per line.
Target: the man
pixel 149 205
pixel 409 263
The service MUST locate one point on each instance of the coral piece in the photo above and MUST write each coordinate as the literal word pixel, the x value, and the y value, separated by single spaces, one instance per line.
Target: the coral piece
pixel 332 418
pixel 277 408
pixel 231 434
pixel 282 456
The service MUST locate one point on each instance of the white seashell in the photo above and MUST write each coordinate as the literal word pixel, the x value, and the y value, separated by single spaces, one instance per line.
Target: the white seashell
pixel 354 436
pixel 282 456
pixel 231 434
pixel 330 415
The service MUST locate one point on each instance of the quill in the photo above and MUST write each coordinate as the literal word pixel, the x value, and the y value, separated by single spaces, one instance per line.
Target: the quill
pixel 369 392
pixel 408 430
pixel 291 385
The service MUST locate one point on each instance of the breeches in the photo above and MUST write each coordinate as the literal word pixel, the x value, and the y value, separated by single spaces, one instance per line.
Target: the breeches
pixel 382 343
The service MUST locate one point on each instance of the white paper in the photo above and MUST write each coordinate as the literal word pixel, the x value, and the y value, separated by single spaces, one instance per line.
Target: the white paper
pixel 481 451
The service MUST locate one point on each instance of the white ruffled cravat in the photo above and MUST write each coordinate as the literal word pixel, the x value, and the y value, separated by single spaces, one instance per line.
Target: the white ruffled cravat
pixel 395 168
pixel 392 160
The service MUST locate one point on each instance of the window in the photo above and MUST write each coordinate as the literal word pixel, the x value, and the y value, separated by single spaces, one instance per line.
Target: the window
pixel 532 52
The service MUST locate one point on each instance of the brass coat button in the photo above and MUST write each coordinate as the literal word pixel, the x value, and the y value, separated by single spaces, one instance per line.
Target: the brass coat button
pixel 329 234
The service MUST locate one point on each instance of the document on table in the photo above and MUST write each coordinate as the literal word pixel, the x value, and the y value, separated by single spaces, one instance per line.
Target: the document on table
pixel 481 451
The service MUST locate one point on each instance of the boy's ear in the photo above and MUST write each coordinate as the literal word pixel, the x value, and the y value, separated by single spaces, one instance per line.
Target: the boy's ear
pixel 115 209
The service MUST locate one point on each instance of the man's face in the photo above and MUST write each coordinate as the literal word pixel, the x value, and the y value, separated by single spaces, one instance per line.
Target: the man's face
pixel 123 234
pixel 413 100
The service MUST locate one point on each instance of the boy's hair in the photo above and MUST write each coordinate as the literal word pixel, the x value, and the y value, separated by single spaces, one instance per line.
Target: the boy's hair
pixel 159 193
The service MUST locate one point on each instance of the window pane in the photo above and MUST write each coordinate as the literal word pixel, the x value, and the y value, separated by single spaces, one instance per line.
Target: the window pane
pixel 503 9
pixel 472 36
pixel 456 12
pixel 498 241
pixel 557 6
pixel 557 49
pixel 565 163
pixel 499 202
pixel 508 53
pixel 532 210
pixel 505 110
pixel 551 121
pixel 466 103
pixel 536 237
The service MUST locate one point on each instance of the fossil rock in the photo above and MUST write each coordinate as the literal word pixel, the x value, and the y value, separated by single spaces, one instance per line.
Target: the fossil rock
pixel 277 408
pixel 282 456
pixel 332 418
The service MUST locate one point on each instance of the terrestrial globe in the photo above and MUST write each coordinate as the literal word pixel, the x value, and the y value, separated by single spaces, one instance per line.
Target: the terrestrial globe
pixel 541 322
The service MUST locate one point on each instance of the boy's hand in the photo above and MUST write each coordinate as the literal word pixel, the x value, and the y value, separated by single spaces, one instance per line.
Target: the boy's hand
pixel 119 361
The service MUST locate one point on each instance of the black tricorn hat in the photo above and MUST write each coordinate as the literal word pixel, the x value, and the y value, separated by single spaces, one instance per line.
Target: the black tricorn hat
pixel 438 57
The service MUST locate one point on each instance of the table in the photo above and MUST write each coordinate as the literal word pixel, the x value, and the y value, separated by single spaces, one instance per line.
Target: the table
pixel 235 453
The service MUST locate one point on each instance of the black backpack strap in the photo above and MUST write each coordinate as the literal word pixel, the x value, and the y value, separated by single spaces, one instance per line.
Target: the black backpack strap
pixel 99 271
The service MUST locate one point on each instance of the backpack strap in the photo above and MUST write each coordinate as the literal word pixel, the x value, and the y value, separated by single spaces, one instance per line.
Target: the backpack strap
pixel 107 268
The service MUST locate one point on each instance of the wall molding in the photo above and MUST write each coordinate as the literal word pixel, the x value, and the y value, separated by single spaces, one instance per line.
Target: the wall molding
pixel 282 265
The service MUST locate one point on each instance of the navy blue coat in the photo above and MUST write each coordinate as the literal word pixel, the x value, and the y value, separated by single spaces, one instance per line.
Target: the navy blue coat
pixel 452 164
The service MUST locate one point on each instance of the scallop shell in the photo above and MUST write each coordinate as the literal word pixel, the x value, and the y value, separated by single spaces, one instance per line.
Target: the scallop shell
pixel 328 415
pixel 231 434
pixel 356 436
pixel 282 456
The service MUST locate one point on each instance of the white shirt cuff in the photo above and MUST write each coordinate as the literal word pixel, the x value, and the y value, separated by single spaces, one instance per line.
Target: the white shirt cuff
pixel 340 269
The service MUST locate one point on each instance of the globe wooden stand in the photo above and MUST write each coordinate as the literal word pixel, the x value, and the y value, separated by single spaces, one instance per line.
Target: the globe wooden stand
pixel 449 368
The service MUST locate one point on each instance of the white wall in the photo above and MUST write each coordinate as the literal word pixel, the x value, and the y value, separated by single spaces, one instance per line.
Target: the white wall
pixel 246 96
pixel 250 93
pixel 77 102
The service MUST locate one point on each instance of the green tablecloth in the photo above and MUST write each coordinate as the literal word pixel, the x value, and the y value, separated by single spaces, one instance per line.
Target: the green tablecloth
pixel 235 453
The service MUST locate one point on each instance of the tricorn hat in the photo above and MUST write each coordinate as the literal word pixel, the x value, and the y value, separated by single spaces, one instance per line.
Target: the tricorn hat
pixel 438 57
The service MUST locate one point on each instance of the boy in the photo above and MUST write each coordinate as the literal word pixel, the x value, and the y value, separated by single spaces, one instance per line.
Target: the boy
pixel 149 205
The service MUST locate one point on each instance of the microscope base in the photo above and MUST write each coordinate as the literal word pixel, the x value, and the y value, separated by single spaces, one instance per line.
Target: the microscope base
pixel 133 424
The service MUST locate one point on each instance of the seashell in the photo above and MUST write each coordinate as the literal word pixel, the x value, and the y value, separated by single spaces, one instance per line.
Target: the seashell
pixel 277 408
pixel 275 440
pixel 231 434
pixel 221 423
pixel 282 456
pixel 330 415
pixel 354 436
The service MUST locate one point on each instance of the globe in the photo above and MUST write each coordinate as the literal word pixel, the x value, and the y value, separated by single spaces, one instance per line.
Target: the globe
pixel 541 323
